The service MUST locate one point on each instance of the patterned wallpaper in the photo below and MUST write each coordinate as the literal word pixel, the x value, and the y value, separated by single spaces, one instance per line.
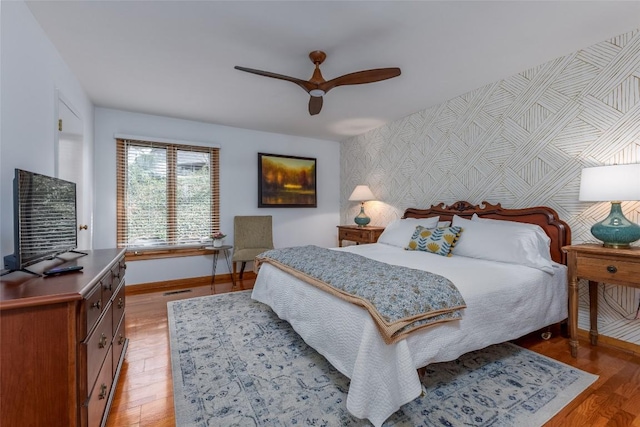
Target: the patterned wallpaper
pixel 521 141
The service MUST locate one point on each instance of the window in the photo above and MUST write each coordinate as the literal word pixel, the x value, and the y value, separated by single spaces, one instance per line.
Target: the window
pixel 168 197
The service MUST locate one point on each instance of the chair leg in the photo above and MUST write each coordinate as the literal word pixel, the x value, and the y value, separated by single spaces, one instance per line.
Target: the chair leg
pixel 244 264
pixel 235 264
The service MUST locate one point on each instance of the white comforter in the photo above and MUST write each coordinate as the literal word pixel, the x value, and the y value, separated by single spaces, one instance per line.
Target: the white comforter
pixel 504 301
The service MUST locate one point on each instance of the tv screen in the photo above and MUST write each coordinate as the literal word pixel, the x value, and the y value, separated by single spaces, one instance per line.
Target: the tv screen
pixel 44 218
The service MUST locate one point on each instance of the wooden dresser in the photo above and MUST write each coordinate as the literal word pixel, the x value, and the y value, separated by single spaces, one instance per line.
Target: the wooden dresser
pixel 62 343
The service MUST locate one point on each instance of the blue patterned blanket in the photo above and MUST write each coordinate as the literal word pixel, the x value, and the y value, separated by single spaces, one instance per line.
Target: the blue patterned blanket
pixel 400 299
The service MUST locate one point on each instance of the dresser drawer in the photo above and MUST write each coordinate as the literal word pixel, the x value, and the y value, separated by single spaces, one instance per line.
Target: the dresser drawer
pixel 100 393
pixel 107 285
pixel 118 306
pixel 95 348
pixel 93 306
pixel 606 270
pixel 122 266
pixel 117 344
pixel 117 273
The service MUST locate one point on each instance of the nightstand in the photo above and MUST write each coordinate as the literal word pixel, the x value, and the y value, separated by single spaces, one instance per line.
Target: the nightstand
pixel 358 234
pixel 596 263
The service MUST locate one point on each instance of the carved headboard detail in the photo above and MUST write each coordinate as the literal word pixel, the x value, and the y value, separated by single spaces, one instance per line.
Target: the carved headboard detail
pixel 545 217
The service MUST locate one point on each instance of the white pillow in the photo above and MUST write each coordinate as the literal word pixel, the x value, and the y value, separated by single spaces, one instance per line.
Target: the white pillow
pixel 399 232
pixel 495 241
pixel 544 243
pixel 539 231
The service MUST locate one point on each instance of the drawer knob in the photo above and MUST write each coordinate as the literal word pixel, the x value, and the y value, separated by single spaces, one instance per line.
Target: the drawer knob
pixel 103 341
pixel 121 340
pixel 612 269
pixel 120 303
pixel 97 304
pixel 103 391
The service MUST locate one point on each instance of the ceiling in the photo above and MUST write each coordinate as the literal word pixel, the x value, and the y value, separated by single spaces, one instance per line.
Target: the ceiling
pixel 176 58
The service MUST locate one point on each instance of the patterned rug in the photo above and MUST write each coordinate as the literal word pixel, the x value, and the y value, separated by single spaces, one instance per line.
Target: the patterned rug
pixel 235 363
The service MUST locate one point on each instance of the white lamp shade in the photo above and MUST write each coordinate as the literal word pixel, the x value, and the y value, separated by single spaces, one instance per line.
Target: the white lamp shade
pixel 610 183
pixel 361 193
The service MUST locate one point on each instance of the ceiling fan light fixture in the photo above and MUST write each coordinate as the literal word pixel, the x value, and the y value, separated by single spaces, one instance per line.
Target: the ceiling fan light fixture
pixel 316 92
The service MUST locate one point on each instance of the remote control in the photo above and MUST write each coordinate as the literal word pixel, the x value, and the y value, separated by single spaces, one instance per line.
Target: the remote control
pixel 62 270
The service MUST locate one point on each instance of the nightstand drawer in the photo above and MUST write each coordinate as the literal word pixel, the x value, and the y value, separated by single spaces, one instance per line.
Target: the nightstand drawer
pixel 354 235
pixel 607 270
pixel 359 234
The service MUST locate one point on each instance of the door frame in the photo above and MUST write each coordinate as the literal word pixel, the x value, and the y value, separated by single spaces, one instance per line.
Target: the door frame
pixel 83 198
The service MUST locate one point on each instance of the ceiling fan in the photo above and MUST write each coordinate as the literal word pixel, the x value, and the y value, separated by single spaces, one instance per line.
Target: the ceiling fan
pixel 317 86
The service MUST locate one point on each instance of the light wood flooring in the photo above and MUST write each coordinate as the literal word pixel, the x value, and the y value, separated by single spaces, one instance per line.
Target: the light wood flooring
pixel 144 395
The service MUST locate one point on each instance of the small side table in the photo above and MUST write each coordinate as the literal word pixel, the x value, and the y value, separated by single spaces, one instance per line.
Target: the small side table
pixel 596 263
pixel 358 234
pixel 216 251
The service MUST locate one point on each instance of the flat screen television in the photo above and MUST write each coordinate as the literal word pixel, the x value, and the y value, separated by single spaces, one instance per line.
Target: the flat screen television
pixel 44 217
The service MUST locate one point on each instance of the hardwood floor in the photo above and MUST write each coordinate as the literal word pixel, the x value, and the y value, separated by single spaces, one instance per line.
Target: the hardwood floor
pixel 144 395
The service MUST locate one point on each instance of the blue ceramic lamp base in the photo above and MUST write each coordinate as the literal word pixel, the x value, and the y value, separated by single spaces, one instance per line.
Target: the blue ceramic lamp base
pixel 616 231
pixel 362 219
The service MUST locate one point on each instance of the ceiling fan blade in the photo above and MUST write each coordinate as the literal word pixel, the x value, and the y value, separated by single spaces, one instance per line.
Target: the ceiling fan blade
pixel 317 87
pixel 307 86
pixel 361 77
pixel 315 105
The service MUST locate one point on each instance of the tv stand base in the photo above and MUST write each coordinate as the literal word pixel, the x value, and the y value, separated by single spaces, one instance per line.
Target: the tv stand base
pixel 22 269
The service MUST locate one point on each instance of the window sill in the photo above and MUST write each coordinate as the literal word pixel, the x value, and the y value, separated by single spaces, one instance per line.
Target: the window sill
pixel 159 253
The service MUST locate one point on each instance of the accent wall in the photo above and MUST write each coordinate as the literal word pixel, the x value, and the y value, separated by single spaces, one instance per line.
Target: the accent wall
pixel 521 141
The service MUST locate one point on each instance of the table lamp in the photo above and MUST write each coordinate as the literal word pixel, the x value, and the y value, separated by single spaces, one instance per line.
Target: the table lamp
pixel 613 184
pixel 361 193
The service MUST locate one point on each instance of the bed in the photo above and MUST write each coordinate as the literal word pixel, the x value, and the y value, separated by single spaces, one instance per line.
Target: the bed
pixel 504 301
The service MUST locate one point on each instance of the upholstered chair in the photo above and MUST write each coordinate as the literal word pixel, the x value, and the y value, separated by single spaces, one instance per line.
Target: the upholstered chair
pixel 252 235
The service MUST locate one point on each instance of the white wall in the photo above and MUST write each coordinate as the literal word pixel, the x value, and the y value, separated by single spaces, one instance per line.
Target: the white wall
pixel 31 70
pixel 31 73
pixel 238 186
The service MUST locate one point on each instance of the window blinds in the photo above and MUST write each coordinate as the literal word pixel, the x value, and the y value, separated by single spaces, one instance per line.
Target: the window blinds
pixel 167 194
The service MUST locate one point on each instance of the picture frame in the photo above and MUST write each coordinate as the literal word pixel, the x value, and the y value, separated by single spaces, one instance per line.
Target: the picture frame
pixel 286 181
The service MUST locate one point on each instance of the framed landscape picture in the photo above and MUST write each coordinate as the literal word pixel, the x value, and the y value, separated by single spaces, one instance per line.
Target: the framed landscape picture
pixel 286 181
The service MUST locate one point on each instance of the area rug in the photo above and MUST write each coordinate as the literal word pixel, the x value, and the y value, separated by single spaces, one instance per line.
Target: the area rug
pixel 235 363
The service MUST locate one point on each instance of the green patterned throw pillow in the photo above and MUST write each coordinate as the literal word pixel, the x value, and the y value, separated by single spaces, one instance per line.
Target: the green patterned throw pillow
pixel 438 241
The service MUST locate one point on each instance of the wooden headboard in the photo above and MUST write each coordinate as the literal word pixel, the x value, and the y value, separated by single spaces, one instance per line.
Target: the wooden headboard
pixel 545 217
